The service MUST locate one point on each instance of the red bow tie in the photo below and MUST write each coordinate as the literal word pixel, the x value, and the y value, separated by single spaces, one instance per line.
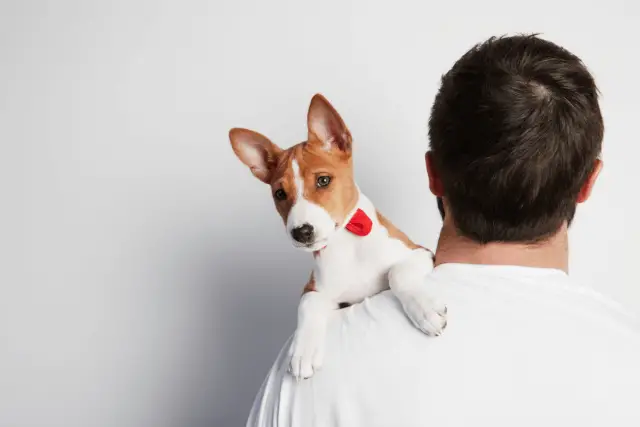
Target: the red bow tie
pixel 360 223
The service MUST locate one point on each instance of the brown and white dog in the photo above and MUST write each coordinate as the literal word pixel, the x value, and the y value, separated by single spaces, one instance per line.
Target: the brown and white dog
pixel 357 251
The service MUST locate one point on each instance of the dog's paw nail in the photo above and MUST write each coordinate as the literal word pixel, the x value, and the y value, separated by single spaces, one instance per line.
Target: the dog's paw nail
pixel 308 351
pixel 427 315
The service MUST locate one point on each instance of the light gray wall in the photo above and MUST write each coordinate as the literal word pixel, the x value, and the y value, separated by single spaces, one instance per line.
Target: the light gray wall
pixel 146 279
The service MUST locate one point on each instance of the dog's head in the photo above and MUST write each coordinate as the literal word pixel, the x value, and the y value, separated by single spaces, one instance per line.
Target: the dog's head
pixel 311 182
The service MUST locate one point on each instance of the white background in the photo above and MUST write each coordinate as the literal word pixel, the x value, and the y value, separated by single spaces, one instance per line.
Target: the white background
pixel 146 277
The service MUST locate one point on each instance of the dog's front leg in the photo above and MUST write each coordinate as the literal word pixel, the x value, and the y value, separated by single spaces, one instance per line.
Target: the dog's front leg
pixel 406 280
pixel 308 343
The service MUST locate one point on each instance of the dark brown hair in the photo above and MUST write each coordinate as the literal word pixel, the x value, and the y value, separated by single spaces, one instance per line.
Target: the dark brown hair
pixel 515 131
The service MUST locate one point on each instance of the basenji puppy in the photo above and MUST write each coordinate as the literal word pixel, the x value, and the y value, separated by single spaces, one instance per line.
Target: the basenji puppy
pixel 357 251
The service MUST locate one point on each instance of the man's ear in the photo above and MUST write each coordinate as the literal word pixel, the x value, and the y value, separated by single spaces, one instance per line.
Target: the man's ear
pixel 435 184
pixel 255 151
pixel 587 187
pixel 326 126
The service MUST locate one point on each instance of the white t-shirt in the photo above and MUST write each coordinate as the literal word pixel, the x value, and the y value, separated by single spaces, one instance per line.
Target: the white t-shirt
pixel 523 347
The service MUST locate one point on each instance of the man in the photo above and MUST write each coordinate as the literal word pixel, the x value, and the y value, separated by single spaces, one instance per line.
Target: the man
pixel 515 134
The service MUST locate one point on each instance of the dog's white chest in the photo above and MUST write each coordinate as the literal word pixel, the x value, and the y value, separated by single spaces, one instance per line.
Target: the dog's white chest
pixel 354 267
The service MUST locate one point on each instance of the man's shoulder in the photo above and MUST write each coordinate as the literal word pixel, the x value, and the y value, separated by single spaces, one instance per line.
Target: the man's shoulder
pixel 506 298
pixel 529 296
pixel 540 346
pixel 503 310
pixel 519 333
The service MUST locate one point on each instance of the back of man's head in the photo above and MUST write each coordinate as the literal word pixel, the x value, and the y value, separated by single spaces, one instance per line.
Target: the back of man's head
pixel 515 132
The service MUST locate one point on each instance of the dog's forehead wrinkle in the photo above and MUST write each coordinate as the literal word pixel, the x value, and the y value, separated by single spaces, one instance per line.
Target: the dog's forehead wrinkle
pixel 311 159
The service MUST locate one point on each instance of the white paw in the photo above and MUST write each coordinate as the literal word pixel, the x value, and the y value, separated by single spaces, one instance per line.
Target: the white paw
pixel 426 314
pixel 307 352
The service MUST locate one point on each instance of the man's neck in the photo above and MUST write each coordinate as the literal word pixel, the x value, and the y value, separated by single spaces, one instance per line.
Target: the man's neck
pixel 551 253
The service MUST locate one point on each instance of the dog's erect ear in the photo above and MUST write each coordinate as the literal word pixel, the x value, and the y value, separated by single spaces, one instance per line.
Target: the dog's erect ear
pixel 326 126
pixel 256 151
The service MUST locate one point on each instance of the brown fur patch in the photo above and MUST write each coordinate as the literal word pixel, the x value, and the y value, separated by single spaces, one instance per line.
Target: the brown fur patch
pixel 338 198
pixel 310 286
pixel 282 178
pixel 395 233
pixel 327 152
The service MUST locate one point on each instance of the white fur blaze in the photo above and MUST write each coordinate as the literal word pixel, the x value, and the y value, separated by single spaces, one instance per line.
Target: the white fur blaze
pixel 305 212
pixel 406 280
pixel 299 182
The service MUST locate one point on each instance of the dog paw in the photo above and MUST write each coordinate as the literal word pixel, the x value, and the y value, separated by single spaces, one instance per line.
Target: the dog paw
pixel 307 352
pixel 425 313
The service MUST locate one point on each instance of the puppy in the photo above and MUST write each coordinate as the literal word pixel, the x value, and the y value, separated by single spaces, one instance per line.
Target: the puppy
pixel 357 251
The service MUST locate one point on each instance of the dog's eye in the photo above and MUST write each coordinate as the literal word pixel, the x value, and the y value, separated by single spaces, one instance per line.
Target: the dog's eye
pixel 323 181
pixel 280 194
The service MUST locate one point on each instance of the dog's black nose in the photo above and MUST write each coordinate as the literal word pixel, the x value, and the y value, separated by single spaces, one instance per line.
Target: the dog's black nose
pixel 303 234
